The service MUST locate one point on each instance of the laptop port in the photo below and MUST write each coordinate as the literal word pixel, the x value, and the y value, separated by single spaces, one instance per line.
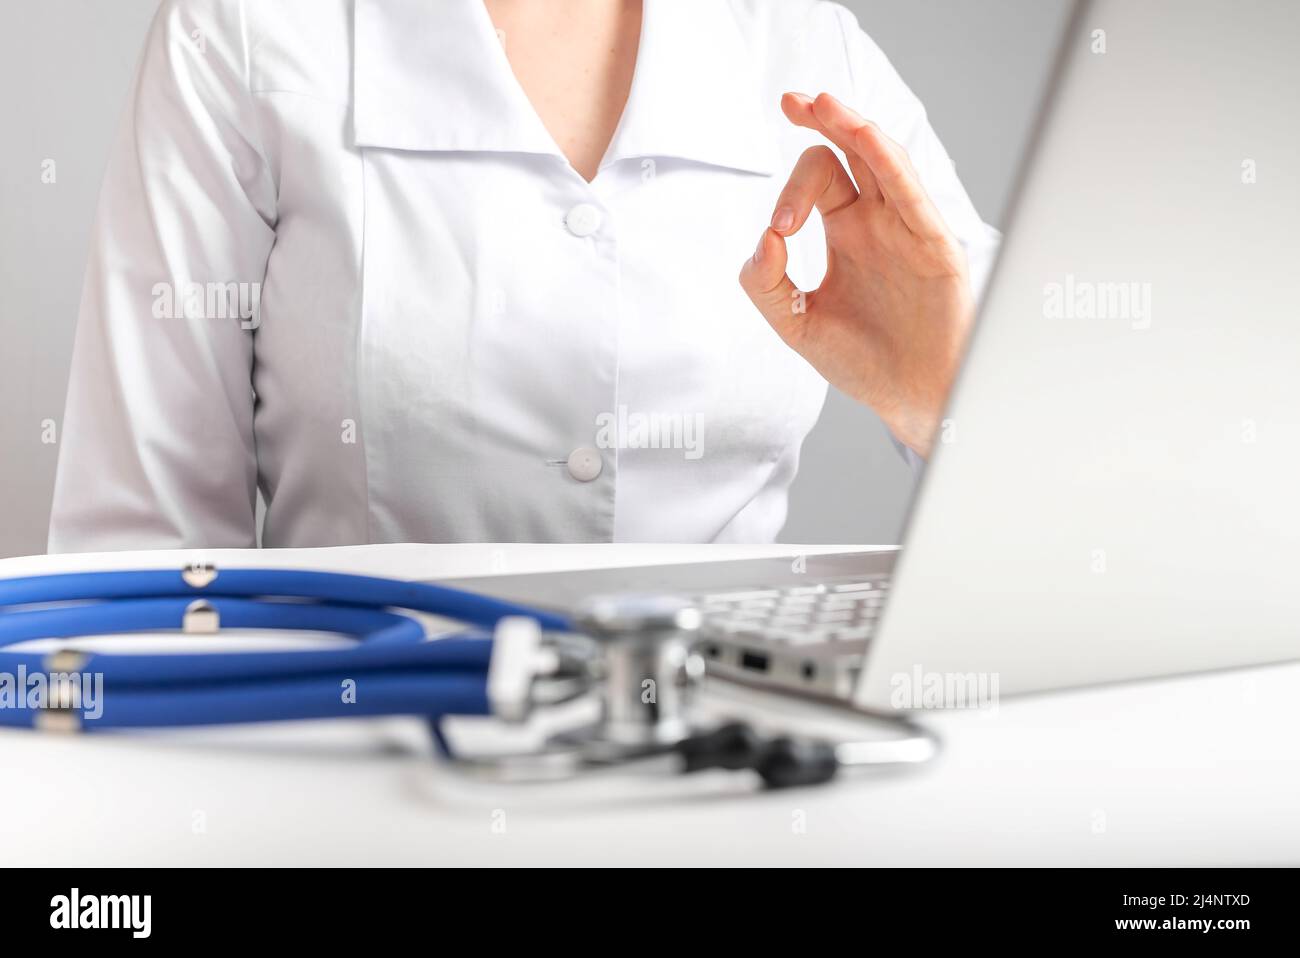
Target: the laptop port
pixel 755 661
pixel 809 671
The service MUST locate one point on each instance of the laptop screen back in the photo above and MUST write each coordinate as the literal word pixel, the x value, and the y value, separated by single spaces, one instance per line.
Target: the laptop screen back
pixel 1116 492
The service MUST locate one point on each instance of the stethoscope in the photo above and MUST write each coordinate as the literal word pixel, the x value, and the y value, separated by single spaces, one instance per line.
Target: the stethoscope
pixel 632 656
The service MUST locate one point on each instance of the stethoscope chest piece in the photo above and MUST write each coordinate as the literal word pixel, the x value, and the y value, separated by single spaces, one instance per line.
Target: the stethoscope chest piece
pixel 637 657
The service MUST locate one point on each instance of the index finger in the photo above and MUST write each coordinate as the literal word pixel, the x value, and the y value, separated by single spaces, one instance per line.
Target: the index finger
pixel 798 109
pixel 888 163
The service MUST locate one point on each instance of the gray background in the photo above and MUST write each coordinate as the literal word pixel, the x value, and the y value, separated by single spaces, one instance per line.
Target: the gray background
pixel 65 66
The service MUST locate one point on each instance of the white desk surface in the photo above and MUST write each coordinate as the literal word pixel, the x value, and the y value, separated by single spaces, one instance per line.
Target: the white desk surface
pixel 1196 770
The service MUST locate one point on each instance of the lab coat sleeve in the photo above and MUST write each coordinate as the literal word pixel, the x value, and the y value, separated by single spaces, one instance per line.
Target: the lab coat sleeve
pixel 881 96
pixel 157 446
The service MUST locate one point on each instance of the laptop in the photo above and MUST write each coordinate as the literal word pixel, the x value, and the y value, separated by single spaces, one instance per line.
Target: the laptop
pixel 1116 494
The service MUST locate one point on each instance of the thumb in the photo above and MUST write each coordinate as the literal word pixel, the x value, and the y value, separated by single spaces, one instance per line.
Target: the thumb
pixel 764 280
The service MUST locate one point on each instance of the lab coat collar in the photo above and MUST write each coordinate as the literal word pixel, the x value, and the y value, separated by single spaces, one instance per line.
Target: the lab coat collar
pixel 433 76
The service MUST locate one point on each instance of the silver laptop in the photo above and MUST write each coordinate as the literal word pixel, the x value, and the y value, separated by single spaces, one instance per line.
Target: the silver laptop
pixel 1117 493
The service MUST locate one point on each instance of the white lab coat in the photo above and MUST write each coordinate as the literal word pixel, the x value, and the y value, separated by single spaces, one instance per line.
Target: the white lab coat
pixel 426 325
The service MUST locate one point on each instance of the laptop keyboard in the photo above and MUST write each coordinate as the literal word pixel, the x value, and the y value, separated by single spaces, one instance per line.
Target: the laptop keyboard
pixel 813 614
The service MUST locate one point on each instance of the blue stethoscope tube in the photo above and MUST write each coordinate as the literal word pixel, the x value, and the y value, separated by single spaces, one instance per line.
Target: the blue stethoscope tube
pixel 392 668
pixel 332 587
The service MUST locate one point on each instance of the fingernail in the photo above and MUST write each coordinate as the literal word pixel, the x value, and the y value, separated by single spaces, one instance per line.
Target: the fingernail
pixel 782 219
pixel 758 253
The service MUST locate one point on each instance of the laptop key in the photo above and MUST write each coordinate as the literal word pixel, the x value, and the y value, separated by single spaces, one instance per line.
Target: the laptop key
pixel 742 596
pixel 855 632
pixel 799 600
pixel 805 590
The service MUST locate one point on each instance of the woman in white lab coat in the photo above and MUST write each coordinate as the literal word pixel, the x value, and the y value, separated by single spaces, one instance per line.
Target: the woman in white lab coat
pixel 467 270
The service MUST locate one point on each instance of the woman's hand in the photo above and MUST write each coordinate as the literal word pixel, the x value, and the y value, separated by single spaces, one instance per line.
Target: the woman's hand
pixel 889 322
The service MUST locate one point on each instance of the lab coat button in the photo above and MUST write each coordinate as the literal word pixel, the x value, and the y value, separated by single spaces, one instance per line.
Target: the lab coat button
pixel 582 220
pixel 584 464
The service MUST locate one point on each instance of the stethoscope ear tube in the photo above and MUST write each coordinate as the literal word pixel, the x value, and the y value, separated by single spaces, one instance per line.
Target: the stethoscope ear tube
pixel 301 698
pixel 367 592
pixel 390 670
